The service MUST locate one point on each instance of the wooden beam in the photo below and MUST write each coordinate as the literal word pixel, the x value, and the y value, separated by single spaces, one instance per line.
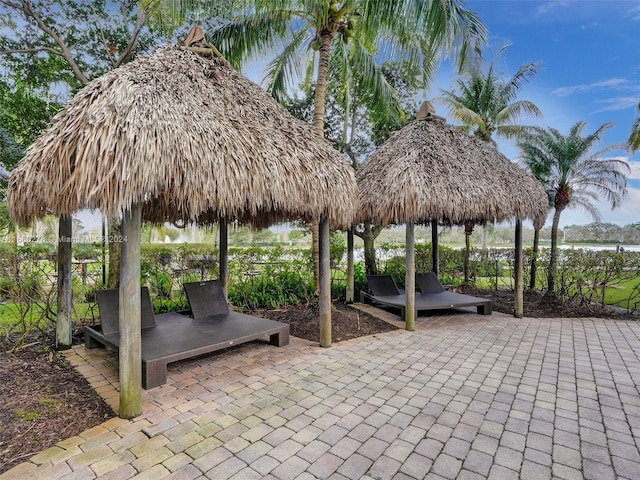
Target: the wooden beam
pixel 223 231
pixel 435 253
pixel 130 351
pixel 410 279
pixel 350 293
pixel 518 307
pixel 324 287
pixel 63 315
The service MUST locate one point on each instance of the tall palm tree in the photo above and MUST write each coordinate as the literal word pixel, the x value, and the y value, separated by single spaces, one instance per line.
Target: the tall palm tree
pixel 487 104
pixel 574 174
pixel 634 138
pixel 415 30
pixel 419 31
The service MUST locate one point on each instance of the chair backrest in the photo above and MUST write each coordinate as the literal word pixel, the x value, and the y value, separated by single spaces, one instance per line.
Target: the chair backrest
pixel 382 285
pixel 428 283
pixel 206 299
pixel 109 306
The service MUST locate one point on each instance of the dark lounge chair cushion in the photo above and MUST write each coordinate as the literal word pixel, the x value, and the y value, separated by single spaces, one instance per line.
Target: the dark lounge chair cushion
pixel 382 285
pixel 206 299
pixel 109 305
pixel 428 283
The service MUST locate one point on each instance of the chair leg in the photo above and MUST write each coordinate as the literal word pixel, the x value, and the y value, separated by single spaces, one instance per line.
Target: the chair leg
pixel 90 342
pixel 485 309
pixel 279 339
pixel 154 373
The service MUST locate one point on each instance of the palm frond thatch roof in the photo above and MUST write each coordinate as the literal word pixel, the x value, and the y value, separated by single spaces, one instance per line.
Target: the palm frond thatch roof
pixel 190 138
pixel 432 170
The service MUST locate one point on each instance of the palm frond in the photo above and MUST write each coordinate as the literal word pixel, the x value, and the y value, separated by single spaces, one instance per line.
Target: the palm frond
pixel 569 162
pixel 286 68
pixel 516 110
pixel 634 137
pixel 248 37
pixel 384 100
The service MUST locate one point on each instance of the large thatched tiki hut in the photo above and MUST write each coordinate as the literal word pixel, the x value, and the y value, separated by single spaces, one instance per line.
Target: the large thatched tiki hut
pixel 430 172
pixel 178 136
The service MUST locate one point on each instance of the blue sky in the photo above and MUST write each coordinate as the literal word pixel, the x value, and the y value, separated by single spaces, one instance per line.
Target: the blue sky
pixel 589 53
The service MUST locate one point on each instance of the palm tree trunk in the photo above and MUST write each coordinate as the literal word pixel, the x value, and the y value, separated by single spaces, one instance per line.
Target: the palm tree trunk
pixel 534 258
pixel 553 257
pixel 319 108
pixel 319 103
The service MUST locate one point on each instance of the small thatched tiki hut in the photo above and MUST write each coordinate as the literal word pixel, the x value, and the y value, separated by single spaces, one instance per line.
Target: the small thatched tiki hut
pixel 177 136
pixel 430 172
pixel 188 137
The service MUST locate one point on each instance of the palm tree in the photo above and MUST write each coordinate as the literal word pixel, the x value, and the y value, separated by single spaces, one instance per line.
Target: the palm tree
pixel 576 176
pixel 486 104
pixel 415 30
pixel 634 138
pixel 418 31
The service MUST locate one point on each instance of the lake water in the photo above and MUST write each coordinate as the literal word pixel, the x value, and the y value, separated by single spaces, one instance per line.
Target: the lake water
pixel 629 248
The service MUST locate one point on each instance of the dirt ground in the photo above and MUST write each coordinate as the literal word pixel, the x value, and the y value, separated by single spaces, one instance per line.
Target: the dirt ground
pixel 44 400
pixel 346 322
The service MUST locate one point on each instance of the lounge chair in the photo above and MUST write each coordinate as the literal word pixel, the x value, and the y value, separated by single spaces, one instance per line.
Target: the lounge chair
pixel 383 285
pixel 171 337
pixel 429 283
pixel 432 295
pixel 432 290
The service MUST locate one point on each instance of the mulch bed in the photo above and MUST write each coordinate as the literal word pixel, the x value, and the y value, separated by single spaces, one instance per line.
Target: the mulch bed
pixel 537 305
pixel 44 400
pixel 346 322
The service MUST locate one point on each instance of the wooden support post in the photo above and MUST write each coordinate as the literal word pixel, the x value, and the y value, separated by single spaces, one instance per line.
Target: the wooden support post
pixel 130 351
pixel 324 287
pixel 350 293
pixel 223 231
pixel 435 254
pixel 63 316
pixel 410 279
pixel 518 306
pixel 104 252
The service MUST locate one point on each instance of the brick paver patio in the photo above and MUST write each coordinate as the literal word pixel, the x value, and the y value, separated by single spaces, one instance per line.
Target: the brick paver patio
pixel 464 396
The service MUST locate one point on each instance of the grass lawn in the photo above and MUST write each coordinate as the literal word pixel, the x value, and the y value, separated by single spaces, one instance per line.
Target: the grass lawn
pixel 15 317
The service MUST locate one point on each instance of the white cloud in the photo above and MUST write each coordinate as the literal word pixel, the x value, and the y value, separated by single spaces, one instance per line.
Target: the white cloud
pixel 585 87
pixel 634 168
pixel 589 26
pixel 617 103
pixel 625 214
pixel 551 6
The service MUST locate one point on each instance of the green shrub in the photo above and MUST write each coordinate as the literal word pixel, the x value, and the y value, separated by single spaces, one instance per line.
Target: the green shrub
pixel 396 267
pixel 279 290
pixel 7 286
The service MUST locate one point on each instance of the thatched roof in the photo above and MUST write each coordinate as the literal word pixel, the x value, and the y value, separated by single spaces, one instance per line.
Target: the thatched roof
pixel 431 170
pixel 189 137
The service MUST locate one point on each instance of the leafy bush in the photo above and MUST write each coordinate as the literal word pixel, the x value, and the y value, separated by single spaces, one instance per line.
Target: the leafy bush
pixel 283 288
pixel 396 267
